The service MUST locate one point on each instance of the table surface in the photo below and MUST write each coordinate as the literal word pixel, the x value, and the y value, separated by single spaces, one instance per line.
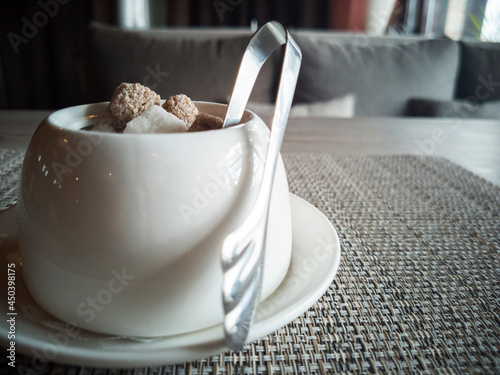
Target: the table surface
pixel 418 286
pixel 473 144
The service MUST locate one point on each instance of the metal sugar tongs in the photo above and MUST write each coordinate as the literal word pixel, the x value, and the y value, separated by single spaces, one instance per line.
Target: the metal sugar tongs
pixel 243 250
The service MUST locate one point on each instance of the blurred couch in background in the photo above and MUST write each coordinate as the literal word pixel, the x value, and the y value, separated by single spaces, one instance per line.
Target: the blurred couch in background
pixel 342 75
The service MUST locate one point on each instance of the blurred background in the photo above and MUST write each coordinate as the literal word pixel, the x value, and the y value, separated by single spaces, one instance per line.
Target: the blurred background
pixel 43 41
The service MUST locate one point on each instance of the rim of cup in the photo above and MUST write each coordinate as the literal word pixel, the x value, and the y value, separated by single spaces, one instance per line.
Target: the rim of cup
pixel 77 118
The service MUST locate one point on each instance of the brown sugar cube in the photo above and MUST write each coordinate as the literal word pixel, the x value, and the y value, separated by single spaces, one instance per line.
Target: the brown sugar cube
pixel 130 100
pixel 205 121
pixel 182 107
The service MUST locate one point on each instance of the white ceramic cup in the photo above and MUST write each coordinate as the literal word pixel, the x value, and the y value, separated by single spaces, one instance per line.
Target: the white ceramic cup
pixel 122 233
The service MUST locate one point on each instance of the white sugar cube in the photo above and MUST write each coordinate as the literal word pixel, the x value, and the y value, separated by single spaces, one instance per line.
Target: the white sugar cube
pixel 156 120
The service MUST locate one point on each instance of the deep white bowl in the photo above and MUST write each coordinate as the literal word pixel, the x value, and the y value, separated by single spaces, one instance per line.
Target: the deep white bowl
pixel 122 233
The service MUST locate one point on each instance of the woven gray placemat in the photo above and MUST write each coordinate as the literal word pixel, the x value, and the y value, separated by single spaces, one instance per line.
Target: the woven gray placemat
pixel 417 290
pixel 10 167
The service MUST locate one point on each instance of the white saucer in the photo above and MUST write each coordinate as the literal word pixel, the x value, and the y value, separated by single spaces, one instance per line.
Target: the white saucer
pixel 315 260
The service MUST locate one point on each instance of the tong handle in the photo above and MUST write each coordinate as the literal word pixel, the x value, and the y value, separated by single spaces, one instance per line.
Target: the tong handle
pixel 264 42
pixel 243 250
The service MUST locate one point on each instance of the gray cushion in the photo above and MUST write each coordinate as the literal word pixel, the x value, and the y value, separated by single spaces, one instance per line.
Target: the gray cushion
pixel 479 75
pixel 204 68
pixel 383 77
pixel 454 109
pixel 336 107
pixel 358 38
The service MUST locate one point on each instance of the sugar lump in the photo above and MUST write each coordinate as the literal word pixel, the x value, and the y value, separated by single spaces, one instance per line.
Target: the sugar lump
pixel 205 121
pixel 182 107
pixel 156 120
pixel 130 100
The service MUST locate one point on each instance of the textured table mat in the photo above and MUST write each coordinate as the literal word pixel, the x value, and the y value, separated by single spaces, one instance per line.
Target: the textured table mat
pixel 417 290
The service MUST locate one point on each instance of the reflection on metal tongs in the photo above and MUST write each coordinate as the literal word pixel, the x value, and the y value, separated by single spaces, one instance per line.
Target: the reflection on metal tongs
pixel 243 250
